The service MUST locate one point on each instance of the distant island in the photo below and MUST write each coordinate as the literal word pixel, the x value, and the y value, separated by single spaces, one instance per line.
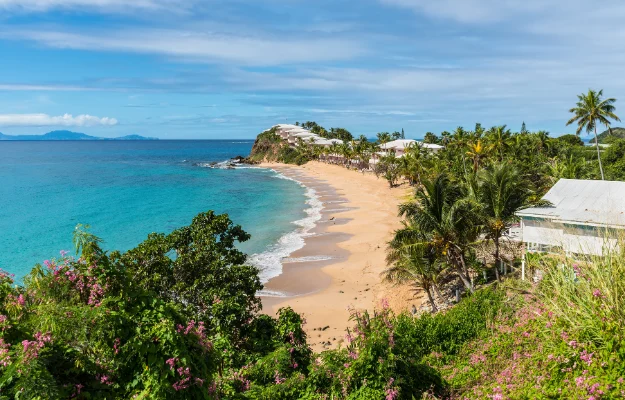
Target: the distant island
pixel 68 135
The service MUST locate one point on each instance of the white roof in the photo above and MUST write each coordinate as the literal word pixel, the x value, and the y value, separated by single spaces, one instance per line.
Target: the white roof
pixel 398 144
pixel 432 146
pixel 304 134
pixel 402 144
pixel 327 142
pixel 583 201
pixel 323 142
pixel 295 130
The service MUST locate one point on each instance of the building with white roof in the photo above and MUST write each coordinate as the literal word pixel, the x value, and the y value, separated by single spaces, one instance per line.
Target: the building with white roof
pixel 400 146
pixel 305 136
pixel 585 217
pixel 319 141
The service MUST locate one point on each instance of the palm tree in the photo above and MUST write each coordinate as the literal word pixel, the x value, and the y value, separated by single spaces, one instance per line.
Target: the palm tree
pixel 346 151
pixel 543 140
pixel 460 137
pixel 502 192
pixel 418 266
pixel 500 139
pixel 411 164
pixel 569 168
pixel 477 151
pixel 334 150
pixel 384 137
pixel 590 110
pixel 442 218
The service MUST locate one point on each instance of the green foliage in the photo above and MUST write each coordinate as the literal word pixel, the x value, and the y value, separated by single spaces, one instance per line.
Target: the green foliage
pixel 570 140
pixel 614 160
pixel 339 133
pixel 591 110
pixel 447 332
pixel 562 338
pixel 199 268
pixel 430 138
pixel 84 329
pixel 610 134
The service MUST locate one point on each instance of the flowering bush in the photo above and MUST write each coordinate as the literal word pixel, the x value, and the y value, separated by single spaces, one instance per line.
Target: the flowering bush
pixel 104 326
pixel 561 338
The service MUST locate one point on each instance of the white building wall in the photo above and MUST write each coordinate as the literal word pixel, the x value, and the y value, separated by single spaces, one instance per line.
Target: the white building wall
pixel 571 239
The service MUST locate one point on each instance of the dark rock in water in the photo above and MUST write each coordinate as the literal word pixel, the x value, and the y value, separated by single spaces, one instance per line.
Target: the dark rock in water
pixel 212 164
pixel 242 160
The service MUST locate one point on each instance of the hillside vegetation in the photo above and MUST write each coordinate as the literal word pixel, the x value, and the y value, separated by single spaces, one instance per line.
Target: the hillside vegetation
pixel 269 147
pixel 609 135
pixel 142 325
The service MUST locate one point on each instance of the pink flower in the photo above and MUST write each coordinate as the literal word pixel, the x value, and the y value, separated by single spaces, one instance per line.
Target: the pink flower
pixel 20 300
pixel 586 357
pixel 391 394
pixel 171 362
pixel 579 381
pixel 596 293
pixel 277 379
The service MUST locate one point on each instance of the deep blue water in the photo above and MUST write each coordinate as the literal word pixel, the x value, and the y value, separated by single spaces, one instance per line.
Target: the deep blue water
pixel 126 190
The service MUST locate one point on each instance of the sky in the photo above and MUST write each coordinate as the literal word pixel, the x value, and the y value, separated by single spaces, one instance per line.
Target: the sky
pixel 208 69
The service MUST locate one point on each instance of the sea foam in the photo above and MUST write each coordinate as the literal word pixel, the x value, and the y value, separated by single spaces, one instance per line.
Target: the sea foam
pixel 270 261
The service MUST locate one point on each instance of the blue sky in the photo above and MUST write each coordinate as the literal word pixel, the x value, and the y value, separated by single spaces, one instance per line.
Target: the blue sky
pixel 206 69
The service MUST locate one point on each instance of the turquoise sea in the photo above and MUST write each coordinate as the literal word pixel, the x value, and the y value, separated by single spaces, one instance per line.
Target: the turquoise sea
pixel 126 190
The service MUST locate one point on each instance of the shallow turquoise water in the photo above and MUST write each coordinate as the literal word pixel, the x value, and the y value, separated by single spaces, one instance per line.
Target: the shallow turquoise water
pixel 126 190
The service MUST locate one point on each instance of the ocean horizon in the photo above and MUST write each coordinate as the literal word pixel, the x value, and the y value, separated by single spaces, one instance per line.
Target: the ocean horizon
pixel 127 189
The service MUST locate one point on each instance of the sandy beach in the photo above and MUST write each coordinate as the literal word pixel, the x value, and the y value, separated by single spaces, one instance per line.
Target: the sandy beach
pixel 342 259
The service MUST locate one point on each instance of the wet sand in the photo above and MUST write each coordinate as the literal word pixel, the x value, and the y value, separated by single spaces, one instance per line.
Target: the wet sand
pixel 342 259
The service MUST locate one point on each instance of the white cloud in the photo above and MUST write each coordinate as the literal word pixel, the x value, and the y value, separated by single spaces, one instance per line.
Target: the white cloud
pixel 103 5
pixel 61 120
pixel 13 87
pixel 460 10
pixel 575 16
pixel 199 46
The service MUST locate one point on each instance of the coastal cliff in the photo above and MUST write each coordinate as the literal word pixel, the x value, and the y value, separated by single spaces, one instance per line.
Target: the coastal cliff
pixel 269 147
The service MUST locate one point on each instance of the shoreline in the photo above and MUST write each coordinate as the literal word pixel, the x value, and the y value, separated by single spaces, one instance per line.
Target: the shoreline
pixel 340 263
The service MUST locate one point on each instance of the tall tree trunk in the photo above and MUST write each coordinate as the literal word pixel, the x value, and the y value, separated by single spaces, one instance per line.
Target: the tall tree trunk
pixel 431 299
pixel 438 291
pixel 464 279
pixel 497 261
pixel 599 154
pixel 461 270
